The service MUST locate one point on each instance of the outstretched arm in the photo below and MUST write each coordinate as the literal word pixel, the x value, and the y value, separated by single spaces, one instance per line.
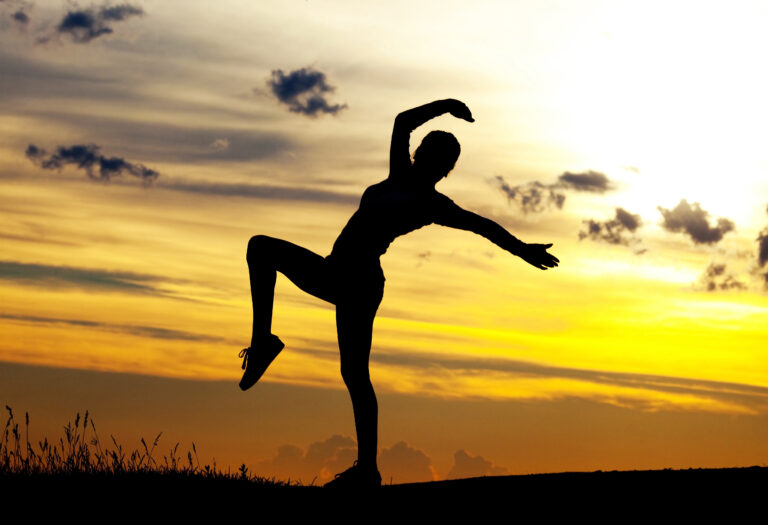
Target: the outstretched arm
pixel 407 121
pixel 534 254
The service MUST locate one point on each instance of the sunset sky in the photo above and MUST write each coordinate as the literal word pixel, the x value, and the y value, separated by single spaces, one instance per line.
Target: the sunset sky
pixel 145 142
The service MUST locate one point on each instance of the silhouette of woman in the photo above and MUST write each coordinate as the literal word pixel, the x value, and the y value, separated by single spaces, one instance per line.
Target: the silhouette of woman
pixel 351 277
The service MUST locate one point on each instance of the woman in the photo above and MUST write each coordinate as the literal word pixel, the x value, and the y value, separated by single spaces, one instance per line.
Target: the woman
pixel 351 277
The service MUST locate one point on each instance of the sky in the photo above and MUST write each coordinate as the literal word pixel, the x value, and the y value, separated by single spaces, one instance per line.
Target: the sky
pixel 145 142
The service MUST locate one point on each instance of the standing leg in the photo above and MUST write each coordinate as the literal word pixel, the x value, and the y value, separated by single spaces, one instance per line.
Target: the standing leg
pixel 354 324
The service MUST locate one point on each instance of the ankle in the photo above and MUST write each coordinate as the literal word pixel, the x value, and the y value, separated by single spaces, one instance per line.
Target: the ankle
pixel 257 339
pixel 367 465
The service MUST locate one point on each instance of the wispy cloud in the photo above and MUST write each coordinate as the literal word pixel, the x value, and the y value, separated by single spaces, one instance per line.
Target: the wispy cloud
pixel 88 158
pixel 749 397
pixel 613 231
pixel 261 191
pixel 745 397
pixel 55 277
pixel 304 91
pixel 536 196
pixel 533 197
pixel 693 221
pixel 151 332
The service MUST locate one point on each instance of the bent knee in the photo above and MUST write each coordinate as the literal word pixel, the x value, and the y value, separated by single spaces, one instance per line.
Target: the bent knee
pixel 257 245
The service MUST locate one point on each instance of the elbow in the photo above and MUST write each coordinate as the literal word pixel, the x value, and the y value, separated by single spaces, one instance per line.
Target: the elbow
pixel 403 121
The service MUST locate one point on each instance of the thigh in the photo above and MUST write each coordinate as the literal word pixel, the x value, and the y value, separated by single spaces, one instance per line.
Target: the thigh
pixel 304 268
pixel 354 325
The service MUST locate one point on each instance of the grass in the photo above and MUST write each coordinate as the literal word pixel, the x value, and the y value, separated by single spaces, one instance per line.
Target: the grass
pixel 80 453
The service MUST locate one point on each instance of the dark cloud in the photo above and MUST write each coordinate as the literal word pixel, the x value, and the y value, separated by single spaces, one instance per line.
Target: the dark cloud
pixel 20 17
pixel 152 332
pixel 466 466
pixel 55 277
pixel 402 463
pixel 591 181
pixel 536 197
pixel 694 221
pixel 613 231
pixel 84 25
pixel 762 254
pixel 715 278
pixel 303 91
pixel 88 158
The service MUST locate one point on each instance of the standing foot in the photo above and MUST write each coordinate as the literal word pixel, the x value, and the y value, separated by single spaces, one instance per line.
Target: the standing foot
pixel 356 478
pixel 257 358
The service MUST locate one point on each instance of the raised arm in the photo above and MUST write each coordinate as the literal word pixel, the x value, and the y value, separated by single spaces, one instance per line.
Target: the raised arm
pixel 534 254
pixel 407 121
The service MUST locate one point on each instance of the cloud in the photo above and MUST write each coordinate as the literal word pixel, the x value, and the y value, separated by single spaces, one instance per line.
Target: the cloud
pixel 762 251
pixel 304 91
pixel 20 17
pixel 85 25
pixel 744 395
pixel 88 158
pixel 260 191
pixel 55 277
pixel 151 332
pixel 322 460
pixel 402 463
pixel 693 221
pixel 762 255
pixel 466 466
pixel 715 278
pixel 533 197
pixel 536 197
pixel 220 144
pixel 612 231
pixel 591 181
pixel 149 141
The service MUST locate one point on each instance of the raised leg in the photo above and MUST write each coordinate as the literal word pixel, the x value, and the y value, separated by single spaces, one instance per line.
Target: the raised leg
pixel 266 256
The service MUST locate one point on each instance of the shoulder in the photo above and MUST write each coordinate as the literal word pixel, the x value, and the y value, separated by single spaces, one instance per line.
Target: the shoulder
pixel 442 208
pixel 439 200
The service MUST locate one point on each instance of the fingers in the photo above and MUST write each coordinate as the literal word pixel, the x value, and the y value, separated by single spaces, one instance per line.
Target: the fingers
pixel 460 110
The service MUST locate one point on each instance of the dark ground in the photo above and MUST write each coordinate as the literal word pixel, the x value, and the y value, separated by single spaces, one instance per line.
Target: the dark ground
pixel 732 495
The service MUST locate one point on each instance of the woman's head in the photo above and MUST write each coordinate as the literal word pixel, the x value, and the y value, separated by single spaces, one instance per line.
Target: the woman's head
pixel 436 155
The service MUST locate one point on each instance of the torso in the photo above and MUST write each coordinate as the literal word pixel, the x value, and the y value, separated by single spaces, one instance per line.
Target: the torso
pixel 387 210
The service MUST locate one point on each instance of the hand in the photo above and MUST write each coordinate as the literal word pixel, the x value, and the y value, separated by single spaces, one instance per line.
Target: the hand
pixel 459 110
pixel 536 255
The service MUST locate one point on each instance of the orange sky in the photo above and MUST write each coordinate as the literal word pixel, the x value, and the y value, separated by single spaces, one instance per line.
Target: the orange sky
pixel 661 328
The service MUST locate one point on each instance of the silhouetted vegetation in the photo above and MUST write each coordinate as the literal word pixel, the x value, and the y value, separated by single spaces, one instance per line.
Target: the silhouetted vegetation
pixel 80 452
